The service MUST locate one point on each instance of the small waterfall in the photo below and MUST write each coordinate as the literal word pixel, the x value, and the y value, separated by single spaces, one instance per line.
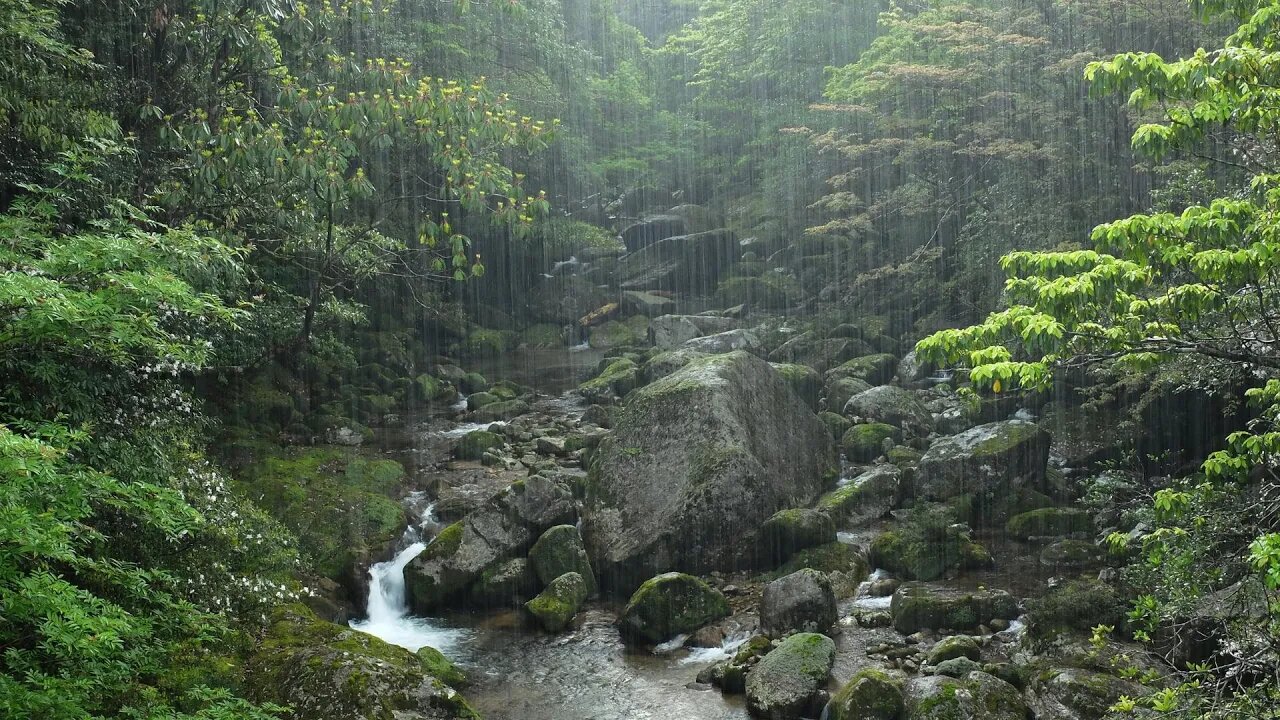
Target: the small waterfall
pixel 388 607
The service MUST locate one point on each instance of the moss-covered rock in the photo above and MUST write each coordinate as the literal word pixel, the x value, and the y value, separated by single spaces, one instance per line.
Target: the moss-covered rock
pixel 787 683
pixel 429 389
pixel 845 565
pixel 891 405
pixel 475 401
pixel 866 442
pixel 559 551
pixel 474 444
pixel 804 380
pixel 666 363
pixel 1049 521
pixel 1073 607
pixel 555 606
pixel 330 672
pixel 871 694
pixel 836 423
pixel 977 696
pixel 618 378
pixel 789 531
pixel 731 675
pixel 483 342
pixel 1071 555
pixel 875 369
pixel 505 410
pixel 631 332
pixel 505 585
pixel 838 392
pixel 696 463
pixel 1077 693
pixel 865 497
pixel 769 292
pixel 915 607
pixel 668 605
pixel 952 647
pixel 991 460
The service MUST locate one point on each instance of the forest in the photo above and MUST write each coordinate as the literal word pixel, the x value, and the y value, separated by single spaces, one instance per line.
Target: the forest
pixel 607 360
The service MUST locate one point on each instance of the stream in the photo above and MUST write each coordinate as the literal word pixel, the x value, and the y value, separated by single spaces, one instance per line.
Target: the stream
pixel 518 673
pixel 586 672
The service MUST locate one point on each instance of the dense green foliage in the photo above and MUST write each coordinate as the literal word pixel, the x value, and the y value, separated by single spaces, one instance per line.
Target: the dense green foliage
pixel 1200 282
pixel 229 224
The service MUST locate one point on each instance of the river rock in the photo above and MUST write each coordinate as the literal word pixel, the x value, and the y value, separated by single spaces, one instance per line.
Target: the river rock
pixel 991 460
pixel 821 354
pixel 555 606
pixel 789 531
pixel 804 380
pixel 977 696
pixel 670 604
pixel 892 405
pixel 647 304
pixel 865 442
pixel 788 683
pixel 560 551
pixel 1075 694
pixel 915 607
pixel 651 230
pixel 666 363
pixel 1049 522
pixel 912 371
pixel 801 601
pixel 875 369
pixel 726 342
pixel 672 331
pixel 696 463
pixel 504 410
pixel 952 647
pixel 871 694
pixel 502 528
pixel 839 391
pixel 686 263
pixel 505 585
pixel 866 497
pixel 325 671
pixel 618 378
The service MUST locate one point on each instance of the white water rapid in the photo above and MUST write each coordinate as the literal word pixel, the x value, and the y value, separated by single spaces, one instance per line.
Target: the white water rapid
pixel 388 610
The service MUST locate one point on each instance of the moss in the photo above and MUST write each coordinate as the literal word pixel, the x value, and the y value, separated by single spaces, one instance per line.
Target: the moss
pixel 483 342
pixel 803 379
pixel 1049 521
pixel 864 443
pixel 770 292
pixel 435 663
pixel 631 332
pixel 1009 437
pixel 874 369
pixel 475 444
pixel 836 423
pixel 871 694
pixel 558 551
pixel 337 502
pixel 555 606
pixel 669 604
pixel 903 456
pixel 789 531
pixel 829 558
pixel 473 382
pixel 617 379
pixel 1075 606
pixel 445 544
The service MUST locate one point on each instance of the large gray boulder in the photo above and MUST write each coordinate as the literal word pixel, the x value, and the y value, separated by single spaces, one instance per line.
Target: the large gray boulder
pixel 891 405
pixel 685 264
pixel 670 604
pixel 990 459
pixel 1076 694
pixel 696 463
pixel 915 607
pixel 802 600
pixel 504 527
pixel 672 331
pixel 977 696
pixel 726 342
pixel 560 551
pixel 788 683
pixel 651 230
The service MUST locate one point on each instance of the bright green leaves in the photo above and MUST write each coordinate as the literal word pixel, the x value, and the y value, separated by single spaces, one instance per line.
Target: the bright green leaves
pixel 1264 554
